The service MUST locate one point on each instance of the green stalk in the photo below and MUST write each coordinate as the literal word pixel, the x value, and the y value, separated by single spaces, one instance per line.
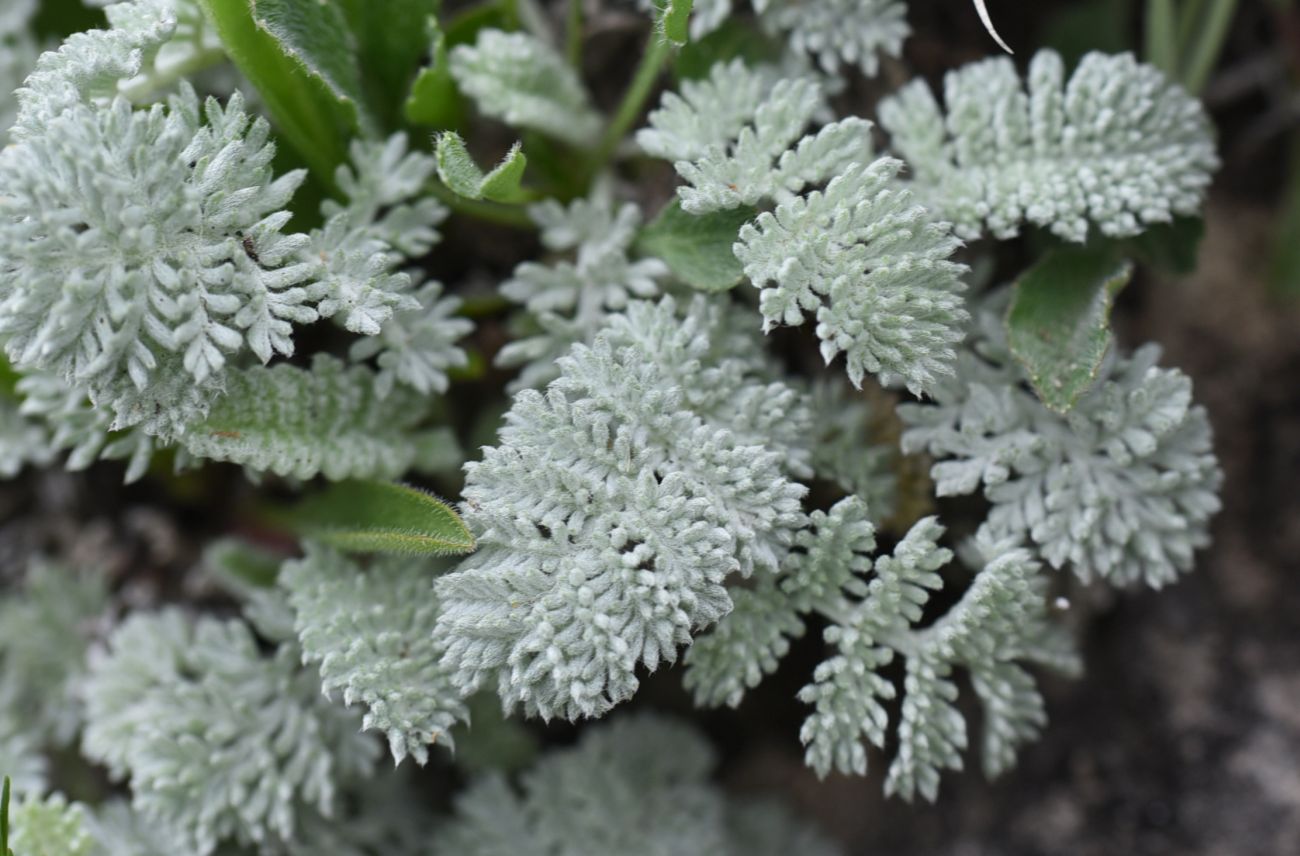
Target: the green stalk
pixel 1203 54
pixel 1162 36
pixel 656 56
pixel 511 216
pixel 573 34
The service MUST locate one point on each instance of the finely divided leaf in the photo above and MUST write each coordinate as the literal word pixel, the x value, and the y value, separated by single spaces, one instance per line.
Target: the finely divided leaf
pixel 458 171
pixel 1058 325
pixel 697 249
pixel 382 517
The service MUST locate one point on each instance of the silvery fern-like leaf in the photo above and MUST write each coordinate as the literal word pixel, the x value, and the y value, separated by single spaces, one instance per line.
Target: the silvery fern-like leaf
pixel 117 828
pixel 838 32
pixel 1000 619
pixel 192 46
pixel 747 645
pixel 370 630
pixel 49 826
pixel 23 441
pixel 137 289
pixel 1122 487
pixel 1118 147
pixel 636 786
pixel 385 219
pixel 416 347
pixel 519 79
pixel 45 628
pixel 73 425
pixel 610 514
pixel 328 420
pixel 17 57
pixel 874 267
pixel 568 302
pixel 740 152
pixel 90 66
pixel 218 741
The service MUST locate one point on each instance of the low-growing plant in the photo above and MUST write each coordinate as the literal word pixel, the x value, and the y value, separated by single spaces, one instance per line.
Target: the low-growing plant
pixel 219 226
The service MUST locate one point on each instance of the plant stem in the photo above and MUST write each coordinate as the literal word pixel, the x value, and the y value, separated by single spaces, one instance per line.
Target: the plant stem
pixel 573 35
pixel 1203 53
pixel 1162 36
pixel 492 212
pixel 652 63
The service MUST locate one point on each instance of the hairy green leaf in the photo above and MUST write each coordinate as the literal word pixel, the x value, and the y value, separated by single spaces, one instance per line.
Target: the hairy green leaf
pixel 458 171
pixel 697 249
pixel 306 114
pixel 674 20
pixel 382 517
pixel 316 35
pixel 1059 322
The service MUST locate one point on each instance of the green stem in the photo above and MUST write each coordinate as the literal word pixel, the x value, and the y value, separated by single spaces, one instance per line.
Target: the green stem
pixel 492 212
pixel 1203 54
pixel 573 34
pixel 1162 36
pixel 652 63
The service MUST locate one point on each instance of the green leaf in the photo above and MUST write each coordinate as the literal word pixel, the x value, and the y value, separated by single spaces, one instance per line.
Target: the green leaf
pixel 1058 325
pixel 675 20
pixel 303 109
pixel 382 517
pixel 316 35
pixel 697 249
pixel 391 39
pixel 434 100
pixel 459 172
pixel 1171 247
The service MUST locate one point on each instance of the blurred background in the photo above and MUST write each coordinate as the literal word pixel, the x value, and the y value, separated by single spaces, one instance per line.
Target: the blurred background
pixel 1183 737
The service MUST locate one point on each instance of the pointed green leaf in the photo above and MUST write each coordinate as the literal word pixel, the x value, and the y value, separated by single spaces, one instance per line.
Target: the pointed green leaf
pixel 434 100
pixel 1058 325
pixel 458 171
pixel 382 517
pixel 697 249
pixel 675 19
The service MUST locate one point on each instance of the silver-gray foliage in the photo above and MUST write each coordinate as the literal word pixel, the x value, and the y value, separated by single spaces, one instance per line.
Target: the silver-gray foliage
pixel 1118 146
pixel 613 510
pixel 370 631
pixel 217 740
pixel 637 786
pixel 874 607
pixel 1122 487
